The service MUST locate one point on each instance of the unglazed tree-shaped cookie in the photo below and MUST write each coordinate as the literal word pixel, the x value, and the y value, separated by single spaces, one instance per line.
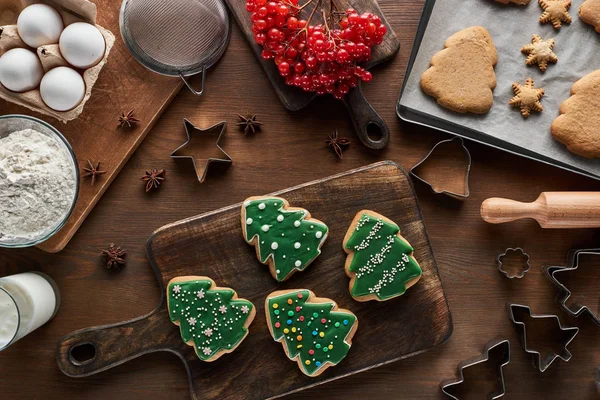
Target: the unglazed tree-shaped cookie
pixel 578 126
pixel 555 11
pixel 540 52
pixel 527 97
pixel 461 76
pixel 589 12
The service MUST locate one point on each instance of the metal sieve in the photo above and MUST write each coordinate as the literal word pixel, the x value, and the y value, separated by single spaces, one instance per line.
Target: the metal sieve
pixel 176 37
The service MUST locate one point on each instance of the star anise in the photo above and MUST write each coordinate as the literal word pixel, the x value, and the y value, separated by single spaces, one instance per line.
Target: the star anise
pixel 127 119
pixel 338 143
pixel 92 171
pixel 153 178
pixel 115 256
pixel 249 123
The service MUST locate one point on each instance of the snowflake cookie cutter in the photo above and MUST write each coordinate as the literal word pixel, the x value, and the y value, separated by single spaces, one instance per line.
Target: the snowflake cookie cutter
pixel 439 164
pixel 201 165
pixel 496 350
pixel 564 294
pixel 523 271
pixel 568 331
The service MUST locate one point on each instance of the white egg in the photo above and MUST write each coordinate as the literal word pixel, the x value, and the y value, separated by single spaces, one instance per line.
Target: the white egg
pixel 82 45
pixel 39 25
pixel 20 70
pixel 62 88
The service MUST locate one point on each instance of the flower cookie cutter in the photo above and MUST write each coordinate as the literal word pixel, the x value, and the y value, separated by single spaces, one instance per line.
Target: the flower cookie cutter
pixel 567 335
pixel 201 164
pixel 443 170
pixel 563 294
pixel 520 253
pixel 497 351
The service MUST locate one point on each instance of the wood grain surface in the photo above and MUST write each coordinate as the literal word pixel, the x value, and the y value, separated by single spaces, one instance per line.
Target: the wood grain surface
pixel 123 85
pixel 288 151
pixel 213 245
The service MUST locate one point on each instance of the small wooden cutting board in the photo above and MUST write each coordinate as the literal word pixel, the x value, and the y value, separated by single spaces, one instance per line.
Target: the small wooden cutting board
pixel 212 245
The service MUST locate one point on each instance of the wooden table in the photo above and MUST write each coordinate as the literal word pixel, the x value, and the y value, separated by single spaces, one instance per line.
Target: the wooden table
pixel 290 150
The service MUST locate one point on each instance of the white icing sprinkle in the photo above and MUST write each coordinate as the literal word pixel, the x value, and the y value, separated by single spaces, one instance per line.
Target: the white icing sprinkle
pixel 296 224
pixel 298 263
pixel 249 221
pixel 319 235
pixel 192 321
pixel 206 351
pixel 208 332
pixel 274 245
pixel 265 228
pixel 245 309
pixel 261 206
pixel 223 309
pixel 297 245
pixel 176 289
pixel 280 218
pixel 201 294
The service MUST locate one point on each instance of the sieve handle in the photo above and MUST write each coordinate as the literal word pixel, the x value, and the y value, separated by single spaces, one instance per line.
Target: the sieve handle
pixel 197 93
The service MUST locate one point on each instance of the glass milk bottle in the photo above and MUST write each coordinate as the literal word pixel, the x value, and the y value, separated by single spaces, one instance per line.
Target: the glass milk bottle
pixel 27 301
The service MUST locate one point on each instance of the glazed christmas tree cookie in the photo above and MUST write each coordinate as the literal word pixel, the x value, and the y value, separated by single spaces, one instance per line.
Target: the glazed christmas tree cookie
pixel 286 238
pixel 211 318
pixel 313 331
pixel 380 262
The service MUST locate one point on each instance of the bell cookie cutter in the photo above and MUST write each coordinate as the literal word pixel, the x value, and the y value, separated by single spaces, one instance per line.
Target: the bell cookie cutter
pixel 563 294
pixel 430 158
pixel 542 365
pixel 523 271
pixel 502 359
pixel 201 164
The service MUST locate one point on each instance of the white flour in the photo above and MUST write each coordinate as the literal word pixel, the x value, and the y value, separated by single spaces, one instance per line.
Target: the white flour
pixel 37 184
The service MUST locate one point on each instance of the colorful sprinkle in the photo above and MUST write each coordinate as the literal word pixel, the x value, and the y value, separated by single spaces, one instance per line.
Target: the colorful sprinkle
pixel 276 312
pixel 318 346
pixel 299 295
pixel 321 334
pixel 289 322
pixel 298 308
pixel 345 322
pixel 299 346
pixel 323 320
pixel 293 329
pixel 275 305
pixel 330 346
pixel 286 330
pixel 311 352
pixel 314 333
pixel 337 324
pixel 299 338
pixel 315 315
pixel 277 324
pixel 318 363
pixel 290 301
pixel 325 349
pixel 307 362
pixel 301 318
pixel 290 313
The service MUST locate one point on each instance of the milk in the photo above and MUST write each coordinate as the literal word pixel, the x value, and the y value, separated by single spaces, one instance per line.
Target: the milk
pixel 27 301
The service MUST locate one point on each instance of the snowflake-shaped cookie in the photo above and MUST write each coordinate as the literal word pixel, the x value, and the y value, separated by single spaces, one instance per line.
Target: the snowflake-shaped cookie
pixel 540 52
pixel 555 11
pixel 527 97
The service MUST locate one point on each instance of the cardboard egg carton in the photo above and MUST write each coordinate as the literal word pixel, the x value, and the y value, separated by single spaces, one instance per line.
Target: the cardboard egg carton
pixel 71 11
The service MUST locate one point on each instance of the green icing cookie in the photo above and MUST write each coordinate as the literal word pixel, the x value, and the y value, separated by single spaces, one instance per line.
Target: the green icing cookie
pixel 286 238
pixel 211 319
pixel 380 262
pixel 313 331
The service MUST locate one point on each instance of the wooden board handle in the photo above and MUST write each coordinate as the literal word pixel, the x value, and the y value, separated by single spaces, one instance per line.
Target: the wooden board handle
pixel 370 128
pixel 92 350
pixel 551 210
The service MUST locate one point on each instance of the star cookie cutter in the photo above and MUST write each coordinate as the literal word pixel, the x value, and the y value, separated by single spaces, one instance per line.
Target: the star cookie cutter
pixel 201 164
pixel 563 294
pixel 522 254
pixel 496 350
pixel 442 160
pixel 569 335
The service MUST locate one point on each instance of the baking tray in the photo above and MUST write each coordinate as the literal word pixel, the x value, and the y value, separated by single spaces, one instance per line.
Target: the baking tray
pixel 415 116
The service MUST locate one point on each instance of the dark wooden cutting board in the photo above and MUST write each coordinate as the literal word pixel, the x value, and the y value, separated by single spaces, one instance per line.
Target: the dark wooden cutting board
pixel 212 245
pixel 370 128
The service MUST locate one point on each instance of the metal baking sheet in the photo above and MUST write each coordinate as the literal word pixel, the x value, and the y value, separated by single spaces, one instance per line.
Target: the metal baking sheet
pixel 503 127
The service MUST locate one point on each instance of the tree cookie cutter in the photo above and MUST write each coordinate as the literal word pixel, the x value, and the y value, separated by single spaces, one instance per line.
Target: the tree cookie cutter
pixel 563 294
pixel 519 274
pixel 542 364
pixel 443 159
pixel 201 164
pixel 497 351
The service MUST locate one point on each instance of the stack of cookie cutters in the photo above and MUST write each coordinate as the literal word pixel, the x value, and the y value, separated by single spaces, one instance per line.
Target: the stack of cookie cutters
pixel 541 364
pixel 495 351
pixel 454 142
pixel 563 294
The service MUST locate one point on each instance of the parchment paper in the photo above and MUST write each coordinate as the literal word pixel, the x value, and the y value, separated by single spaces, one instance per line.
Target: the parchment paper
pixel 511 27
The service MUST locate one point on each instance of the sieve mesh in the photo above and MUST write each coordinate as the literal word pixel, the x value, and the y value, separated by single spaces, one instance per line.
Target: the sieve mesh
pixel 175 37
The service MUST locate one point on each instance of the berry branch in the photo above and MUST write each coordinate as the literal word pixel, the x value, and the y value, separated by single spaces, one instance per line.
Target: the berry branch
pixel 321 58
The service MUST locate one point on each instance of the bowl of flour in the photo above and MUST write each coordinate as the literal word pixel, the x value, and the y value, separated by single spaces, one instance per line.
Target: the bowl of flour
pixel 39 181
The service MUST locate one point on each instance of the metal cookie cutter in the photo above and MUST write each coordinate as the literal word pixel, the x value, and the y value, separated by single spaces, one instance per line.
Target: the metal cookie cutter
pixel 563 295
pixel 542 364
pixel 496 350
pixel 433 158
pixel 201 164
pixel 523 271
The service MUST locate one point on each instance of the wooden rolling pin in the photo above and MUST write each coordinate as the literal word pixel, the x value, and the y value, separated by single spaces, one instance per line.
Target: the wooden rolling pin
pixel 552 210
